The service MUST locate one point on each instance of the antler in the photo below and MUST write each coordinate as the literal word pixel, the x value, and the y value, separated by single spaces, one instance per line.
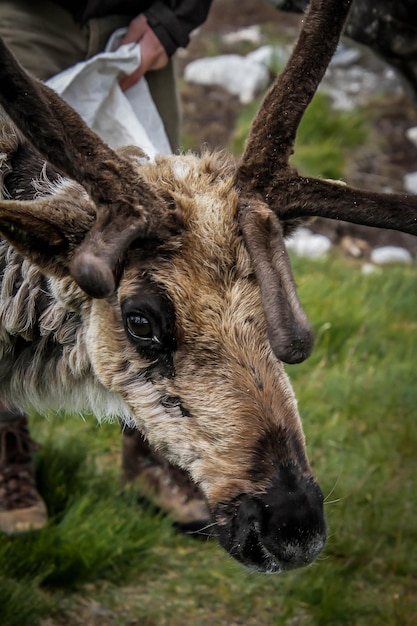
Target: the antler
pixel 301 197
pixel 264 169
pixel 126 207
pixel 272 136
pixel 266 178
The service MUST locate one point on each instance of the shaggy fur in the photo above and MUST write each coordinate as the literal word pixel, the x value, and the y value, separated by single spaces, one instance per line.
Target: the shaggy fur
pixel 61 348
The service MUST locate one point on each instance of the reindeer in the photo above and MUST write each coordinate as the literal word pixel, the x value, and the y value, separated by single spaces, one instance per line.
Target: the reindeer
pixel 162 293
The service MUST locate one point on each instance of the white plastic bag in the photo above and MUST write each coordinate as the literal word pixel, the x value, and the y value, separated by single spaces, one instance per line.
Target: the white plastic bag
pixel 120 118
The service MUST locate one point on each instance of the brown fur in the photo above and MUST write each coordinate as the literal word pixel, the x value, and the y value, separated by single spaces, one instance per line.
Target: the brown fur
pixel 162 293
pixel 225 373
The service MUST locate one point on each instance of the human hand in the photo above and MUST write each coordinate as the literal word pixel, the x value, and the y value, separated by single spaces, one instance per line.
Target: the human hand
pixel 153 55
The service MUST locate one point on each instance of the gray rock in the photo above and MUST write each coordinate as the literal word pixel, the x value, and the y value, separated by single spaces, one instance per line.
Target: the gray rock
pixel 270 56
pixel 349 87
pixel 238 75
pixel 344 56
pixel 370 268
pixel 390 254
pixel 251 34
pixel 410 182
pixel 307 244
pixel 411 134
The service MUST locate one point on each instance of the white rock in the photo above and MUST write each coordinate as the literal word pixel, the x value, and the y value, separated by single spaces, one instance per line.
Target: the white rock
pixel 270 56
pixel 238 75
pixel 390 254
pixel 370 268
pixel 251 34
pixel 410 182
pixel 308 244
pixel 344 56
pixel 411 134
pixel 352 86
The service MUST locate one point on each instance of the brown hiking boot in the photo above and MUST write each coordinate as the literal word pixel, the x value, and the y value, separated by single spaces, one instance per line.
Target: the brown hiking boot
pixel 165 485
pixel 21 507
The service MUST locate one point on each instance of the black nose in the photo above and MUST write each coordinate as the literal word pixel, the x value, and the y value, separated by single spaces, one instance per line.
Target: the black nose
pixel 281 529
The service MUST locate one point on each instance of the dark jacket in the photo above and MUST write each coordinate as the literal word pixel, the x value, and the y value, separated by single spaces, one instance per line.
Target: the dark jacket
pixel 171 20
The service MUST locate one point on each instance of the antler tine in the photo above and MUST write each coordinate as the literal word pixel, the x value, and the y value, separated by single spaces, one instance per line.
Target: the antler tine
pixel 272 136
pixel 66 141
pixel 126 207
pixel 305 197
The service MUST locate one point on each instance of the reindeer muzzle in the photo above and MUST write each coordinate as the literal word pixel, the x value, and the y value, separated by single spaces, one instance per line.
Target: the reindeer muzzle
pixel 278 530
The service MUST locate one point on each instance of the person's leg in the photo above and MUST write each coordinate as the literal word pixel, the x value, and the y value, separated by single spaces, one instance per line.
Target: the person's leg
pixel 42 35
pixel 21 507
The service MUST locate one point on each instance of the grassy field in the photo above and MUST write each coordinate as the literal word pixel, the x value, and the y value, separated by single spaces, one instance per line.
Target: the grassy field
pixel 107 559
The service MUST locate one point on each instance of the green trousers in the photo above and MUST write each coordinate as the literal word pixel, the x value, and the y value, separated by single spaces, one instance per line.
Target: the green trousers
pixel 46 40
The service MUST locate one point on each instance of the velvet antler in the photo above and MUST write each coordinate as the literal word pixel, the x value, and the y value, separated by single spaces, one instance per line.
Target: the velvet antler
pixel 272 136
pixel 126 207
pixel 265 170
pixel 266 178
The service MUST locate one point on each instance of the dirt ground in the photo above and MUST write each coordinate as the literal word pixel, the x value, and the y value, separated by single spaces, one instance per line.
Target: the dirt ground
pixel 209 115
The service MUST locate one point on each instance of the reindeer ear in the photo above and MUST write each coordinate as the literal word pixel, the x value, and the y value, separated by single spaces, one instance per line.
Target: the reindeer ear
pixel 289 331
pixel 42 231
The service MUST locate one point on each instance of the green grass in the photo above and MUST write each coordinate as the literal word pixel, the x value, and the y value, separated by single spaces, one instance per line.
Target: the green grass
pixel 94 531
pixel 325 137
pixel 106 559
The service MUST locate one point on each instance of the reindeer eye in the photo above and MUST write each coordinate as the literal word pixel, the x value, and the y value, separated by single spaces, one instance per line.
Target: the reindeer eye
pixel 139 327
pixel 149 323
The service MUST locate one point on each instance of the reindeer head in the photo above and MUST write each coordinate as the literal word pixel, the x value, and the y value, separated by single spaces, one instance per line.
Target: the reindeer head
pixel 185 288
